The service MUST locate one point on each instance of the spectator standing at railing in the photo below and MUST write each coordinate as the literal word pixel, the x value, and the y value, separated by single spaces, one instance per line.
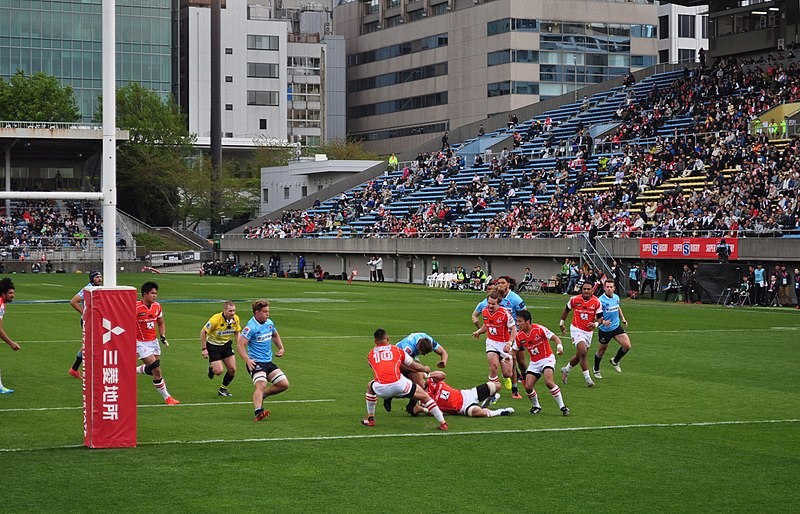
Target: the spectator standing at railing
pixel 797 287
pixel 393 163
pixel 784 281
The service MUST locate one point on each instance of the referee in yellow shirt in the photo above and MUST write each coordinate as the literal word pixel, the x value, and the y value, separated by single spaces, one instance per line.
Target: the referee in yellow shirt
pixel 217 338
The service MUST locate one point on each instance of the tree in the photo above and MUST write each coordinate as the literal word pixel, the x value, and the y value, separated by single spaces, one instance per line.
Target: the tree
pixel 37 97
pixel 345 149
pixel 151 165
pixel 239 195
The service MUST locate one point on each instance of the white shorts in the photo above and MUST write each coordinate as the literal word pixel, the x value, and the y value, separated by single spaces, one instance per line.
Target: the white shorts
pixel 579 335
pixel 537 367
pixel 147 348
pixel 497 347
pixel 470 399
pixel 394 390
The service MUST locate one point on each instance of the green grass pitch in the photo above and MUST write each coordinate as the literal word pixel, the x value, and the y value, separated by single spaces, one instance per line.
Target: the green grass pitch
pixel 704 416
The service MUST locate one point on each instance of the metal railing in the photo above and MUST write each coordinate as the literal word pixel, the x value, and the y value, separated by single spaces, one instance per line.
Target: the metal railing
pixel 468 233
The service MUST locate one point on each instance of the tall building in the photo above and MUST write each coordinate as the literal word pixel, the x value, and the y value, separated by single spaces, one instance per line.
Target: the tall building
pixel 418 67
pixel 283 72
pixel 682 32
pixel 63 38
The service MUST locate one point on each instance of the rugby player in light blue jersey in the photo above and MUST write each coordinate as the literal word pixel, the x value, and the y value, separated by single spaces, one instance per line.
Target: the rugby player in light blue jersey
pixel 610 328
pixel 416 344
pixel 95 280
pixel 255 348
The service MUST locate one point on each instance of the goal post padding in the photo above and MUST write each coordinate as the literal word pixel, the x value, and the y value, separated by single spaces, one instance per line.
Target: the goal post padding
pixel 109 359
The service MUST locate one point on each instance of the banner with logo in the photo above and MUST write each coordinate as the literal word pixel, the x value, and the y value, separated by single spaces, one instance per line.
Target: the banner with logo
pixel 109 360
pixel 693 248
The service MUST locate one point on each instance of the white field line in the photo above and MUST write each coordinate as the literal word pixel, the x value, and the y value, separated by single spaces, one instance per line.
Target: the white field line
pixel 429 434
pixel 445 336
pixel 148 406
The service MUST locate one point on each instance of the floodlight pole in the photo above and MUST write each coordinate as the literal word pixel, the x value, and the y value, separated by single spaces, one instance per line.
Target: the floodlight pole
pixel 108 183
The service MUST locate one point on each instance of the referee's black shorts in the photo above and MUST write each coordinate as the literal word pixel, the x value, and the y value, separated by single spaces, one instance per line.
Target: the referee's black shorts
pixel 218 352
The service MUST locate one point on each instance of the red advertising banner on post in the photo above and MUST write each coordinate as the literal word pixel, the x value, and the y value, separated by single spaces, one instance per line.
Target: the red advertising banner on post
pixel 109 360
pixel 695 248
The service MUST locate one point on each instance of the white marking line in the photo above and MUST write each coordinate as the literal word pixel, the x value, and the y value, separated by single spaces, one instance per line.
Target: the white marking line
pixel 429 434
pixel 147 406
pixel 444 337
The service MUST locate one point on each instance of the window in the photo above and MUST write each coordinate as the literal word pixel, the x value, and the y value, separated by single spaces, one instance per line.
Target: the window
pixel 704 27
pixel 401 104
pixel 415 15
pixel 304 191
pixel 685 55
pixel 262 98
pixel 265 195
pixel 389 52
pixel 285 193
pixel 257 42
pixel 439 9
pixel 663 56
pixel 228 78
pixel 663 27
pixel 397 77
pixel 228 134
pixel 497 58
pixel 498 26
pixel 643 61
pixel 394 21
pixel 498 89
pixel 262 70
pixel 507 56
pixel 685 25
pixel 229 51
pixel 262 124
pixel 646 31
pixel 228 107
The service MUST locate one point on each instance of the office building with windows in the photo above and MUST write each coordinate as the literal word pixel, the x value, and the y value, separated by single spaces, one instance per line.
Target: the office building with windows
pixel 418 67
pixel 283 73
pixel 682 32
pixel 63 38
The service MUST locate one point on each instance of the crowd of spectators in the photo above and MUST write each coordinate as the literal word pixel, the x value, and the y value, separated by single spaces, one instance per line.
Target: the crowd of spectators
pixel 38 225
pixel 750 185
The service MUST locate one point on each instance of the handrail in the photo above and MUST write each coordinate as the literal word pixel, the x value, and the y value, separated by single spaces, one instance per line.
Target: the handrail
pixel 474 234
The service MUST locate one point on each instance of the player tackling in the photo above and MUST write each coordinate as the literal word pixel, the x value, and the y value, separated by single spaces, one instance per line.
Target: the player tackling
pixel 388 362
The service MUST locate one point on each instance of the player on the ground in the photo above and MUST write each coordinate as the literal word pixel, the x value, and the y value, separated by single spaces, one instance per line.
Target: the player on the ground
pixel 149 317
pixel 536 339
pixel 610 328
pixel 465 402
pixel 216 339
pixel 501 330
pixel 586 316
pixel 387 362
pixel 95 280
pixel 416 344
pixel 7 292
pixel 255 348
